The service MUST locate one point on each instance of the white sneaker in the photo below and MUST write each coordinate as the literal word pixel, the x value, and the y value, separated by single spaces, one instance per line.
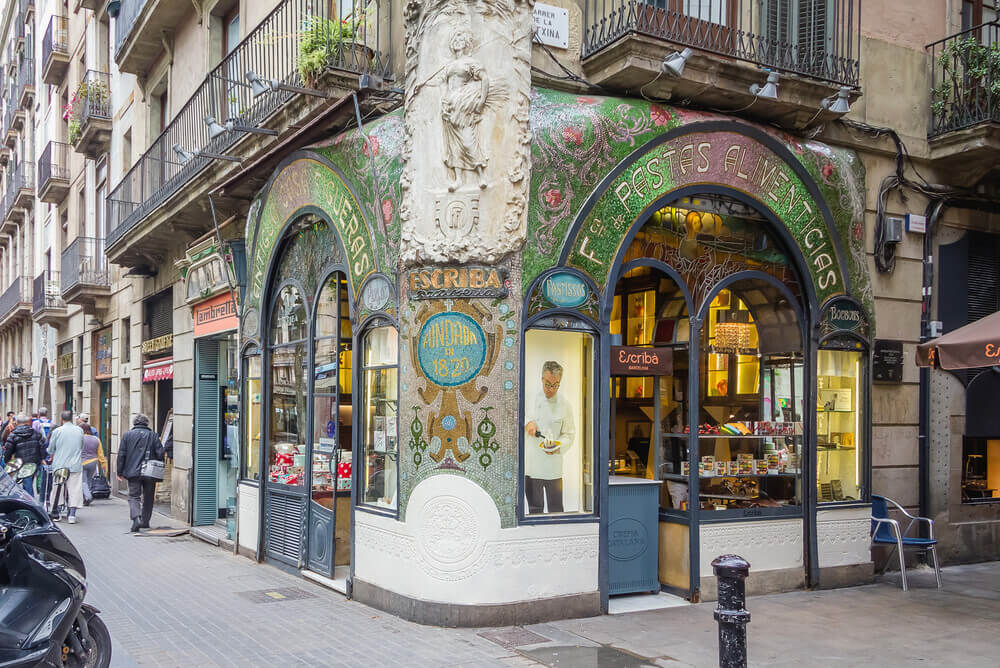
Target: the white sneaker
pixel 72 519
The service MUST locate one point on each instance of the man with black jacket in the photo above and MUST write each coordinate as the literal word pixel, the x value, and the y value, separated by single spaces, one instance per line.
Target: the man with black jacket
pixel 132 452
pixel 26 444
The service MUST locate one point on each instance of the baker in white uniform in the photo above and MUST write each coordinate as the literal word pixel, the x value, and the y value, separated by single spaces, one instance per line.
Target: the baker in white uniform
pixel 549 421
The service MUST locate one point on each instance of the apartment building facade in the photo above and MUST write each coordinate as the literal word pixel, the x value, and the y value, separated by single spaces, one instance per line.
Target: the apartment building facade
pixel 343 253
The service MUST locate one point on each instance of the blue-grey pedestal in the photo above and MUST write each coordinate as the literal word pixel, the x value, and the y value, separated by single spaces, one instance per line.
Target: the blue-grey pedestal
pixel 633 535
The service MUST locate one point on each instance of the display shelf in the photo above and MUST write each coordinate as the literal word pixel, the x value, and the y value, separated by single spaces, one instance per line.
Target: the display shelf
pixel 747 436
pixel 750 475
pixel 824 410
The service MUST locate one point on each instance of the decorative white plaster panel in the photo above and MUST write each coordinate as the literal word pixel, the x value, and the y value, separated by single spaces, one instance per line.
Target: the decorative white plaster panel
pixel 842 537
pixel 451 549
pixel 468 136
pixel 767 545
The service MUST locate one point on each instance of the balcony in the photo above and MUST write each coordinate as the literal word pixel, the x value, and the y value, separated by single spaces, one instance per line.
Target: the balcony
pixel 4 154
pixel 15 303
pixel 20 196
pixel 139 28
pixel 14 116
pixel 26 83
pixel 90 125
pixel 27 10
pixel 85 280
pixel 53 173
pixel 55 51
pixel 815 49
pixel 92 5
pixel 47 305
pixel 964 131
pixel 167 182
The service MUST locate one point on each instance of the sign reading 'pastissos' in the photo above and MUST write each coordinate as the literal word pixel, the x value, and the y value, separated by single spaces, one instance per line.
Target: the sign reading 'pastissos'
pixel 725 158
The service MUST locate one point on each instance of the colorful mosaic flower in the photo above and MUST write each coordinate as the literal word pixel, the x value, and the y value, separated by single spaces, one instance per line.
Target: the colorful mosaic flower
pixel 858 231
pixel 553 197
pixel 659 115
pixel 586 100
pixel 573 136
pixel 827 170
pixel 387 210
pixel 370 148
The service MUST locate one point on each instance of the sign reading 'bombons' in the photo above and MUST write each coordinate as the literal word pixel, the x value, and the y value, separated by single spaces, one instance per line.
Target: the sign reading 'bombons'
pixel 635 361
pixel 451 349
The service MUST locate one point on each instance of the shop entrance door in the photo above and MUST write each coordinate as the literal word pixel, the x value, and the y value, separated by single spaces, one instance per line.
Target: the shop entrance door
pixel 331 450
pixel 104 423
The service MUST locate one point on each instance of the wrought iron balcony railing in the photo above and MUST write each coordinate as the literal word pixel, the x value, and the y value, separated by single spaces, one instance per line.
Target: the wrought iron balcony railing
pixel 84 265
pixel 18 294
pixel 127 15
pixel 813 38
pixel 54 163
pixel 56 39
pixel 24 176
pixel 965 79
pixel 293 45
pixel 46 292
pixel 93 97
pixel 26 77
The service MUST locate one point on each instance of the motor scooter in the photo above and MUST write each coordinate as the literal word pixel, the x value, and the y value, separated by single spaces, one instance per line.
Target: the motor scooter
pixel 44 621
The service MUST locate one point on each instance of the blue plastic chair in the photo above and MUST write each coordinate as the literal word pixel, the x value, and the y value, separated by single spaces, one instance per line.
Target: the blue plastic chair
pixel 885 531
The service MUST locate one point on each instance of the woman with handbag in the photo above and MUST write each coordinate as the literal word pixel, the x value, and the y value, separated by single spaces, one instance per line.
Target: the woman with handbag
pixel 140 461
pixel 93 458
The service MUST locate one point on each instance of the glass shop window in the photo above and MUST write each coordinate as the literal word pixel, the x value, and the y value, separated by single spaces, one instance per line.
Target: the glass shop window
pixel 750 435
pixel 558 421
pixel 332 455
pixel 980 470
pixel 250 443
pixel 839 423
pixel 380 422
pixel 289 385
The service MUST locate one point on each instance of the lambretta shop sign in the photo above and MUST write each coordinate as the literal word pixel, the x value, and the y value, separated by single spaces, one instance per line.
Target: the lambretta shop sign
pixel 551 26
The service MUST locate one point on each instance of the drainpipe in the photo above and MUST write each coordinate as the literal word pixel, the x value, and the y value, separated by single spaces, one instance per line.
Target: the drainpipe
pixel 933 212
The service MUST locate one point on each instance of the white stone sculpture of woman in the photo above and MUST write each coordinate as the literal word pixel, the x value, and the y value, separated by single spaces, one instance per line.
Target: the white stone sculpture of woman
pixel 467 95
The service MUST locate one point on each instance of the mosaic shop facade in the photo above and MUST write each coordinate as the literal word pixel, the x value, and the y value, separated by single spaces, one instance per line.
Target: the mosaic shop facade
pixel 672 364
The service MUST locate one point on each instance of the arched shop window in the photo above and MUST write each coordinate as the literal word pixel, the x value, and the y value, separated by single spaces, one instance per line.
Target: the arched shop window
pixel 558 414
pixel 380 419
pixel 751 371
pixel 332 368
pixel 251 410
pixel 289 326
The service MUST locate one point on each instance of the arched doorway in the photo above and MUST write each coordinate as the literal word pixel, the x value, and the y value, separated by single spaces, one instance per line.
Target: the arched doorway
pixel 709 290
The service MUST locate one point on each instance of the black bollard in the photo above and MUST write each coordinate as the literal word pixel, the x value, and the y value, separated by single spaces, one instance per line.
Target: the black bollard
pixel 730 612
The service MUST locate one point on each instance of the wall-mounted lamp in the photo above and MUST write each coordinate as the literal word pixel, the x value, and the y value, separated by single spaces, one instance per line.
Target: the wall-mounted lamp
pixel 674 63
pixel 260 86
pixel 185 156
pixel 839 103
pixel 770 88
pixel 215 129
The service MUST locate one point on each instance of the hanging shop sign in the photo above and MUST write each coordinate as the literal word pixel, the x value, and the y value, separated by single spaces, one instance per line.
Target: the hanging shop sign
pixel 458 282
pixel 843 315
pixel 102 354
pixel 451 348
pixel 158 370
pixel 158 345
pixel 636 361
pixel 565 290
pixel 887 361
pixel 217 314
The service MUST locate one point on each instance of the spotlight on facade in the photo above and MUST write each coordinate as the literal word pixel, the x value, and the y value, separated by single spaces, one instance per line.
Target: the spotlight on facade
pixel 769 90
pixel 214 129
pixel 674 63
pixel 259 86
pixel 839 103
pixel 183 155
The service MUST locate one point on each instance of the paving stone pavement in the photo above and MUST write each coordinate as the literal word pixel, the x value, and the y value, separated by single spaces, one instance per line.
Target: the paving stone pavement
pixel 181 602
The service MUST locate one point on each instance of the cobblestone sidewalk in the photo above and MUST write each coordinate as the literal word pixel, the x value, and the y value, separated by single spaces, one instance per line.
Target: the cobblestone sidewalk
pixel 180 602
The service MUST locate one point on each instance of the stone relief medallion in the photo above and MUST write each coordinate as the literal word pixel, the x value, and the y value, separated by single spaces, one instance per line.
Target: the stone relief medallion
pixel 467 132
pixel 251 324
pixel 448 533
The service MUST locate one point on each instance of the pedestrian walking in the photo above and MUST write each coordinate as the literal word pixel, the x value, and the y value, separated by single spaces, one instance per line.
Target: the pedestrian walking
pixel 66 452
pixel 26 444
pixel 8 426
pixel 41 423
pixel 93 459
pixel 139 444
pixel 84 423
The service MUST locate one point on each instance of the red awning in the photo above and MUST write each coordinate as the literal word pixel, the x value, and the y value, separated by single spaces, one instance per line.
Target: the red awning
pixel 158 370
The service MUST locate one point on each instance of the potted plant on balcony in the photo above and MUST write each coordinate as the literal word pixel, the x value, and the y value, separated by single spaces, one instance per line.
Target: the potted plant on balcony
pixel 75 129
pixel 324 42
pixel 970 80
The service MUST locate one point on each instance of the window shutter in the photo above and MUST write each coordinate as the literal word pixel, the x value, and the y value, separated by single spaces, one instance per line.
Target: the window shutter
pixel 161 315
pixel 984 274
pixel 206 434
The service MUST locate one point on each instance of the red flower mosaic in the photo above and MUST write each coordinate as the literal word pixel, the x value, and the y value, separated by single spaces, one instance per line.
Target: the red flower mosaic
pixel 858 231
pixel 659 115
pixel 371 147
pixel 553 197
pixel 387 210
pixel 573 136
pixel 586 100
pixel 827 170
